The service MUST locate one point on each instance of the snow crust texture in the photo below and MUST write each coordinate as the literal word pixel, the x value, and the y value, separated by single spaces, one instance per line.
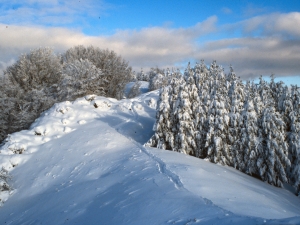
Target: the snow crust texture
pixel 84 162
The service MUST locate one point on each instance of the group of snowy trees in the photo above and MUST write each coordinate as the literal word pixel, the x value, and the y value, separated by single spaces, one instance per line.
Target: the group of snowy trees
pixel 41 78
pixel 215 116
pixel 157 78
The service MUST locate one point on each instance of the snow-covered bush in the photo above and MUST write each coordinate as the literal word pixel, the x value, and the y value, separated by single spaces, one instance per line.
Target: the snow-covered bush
pixel 4 186
pixel 41 78
pixel 215 116
pixel 29 87
pixel 115 71
pixel 4 177
pixel 81 77
pixel 37 70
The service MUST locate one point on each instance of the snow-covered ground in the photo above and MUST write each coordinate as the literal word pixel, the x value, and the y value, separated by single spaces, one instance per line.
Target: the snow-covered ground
pixel 84 162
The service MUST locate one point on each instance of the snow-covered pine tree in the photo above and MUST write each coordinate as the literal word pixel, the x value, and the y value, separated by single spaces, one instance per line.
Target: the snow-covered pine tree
pixel 161 78
pixel 273 162
pixel 294 139
pixel 202 119
pixel 155 75
pixel 274 90
pixel 235 125
pixel 281 93
pixel 249 138
pixel 142 76
pixel 185 141
pixel 189 75
pixel 265 92
pixel 216 144
pixel 236 95
pixel 175 85
pixel 156 82
pixel 221 145
pixel 135 90
pixel 199 118
pixel 294 151
pixel 201 75
pixel 295 95
pixel 202 81
pixel 257 103
pixel 273 155
pixel 163 137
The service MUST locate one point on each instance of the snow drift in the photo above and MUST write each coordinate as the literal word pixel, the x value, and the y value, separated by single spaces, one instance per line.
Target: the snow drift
pixel 84 162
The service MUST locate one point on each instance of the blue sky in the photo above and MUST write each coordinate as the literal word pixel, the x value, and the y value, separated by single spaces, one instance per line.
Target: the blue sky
pixel 256 37
pixel 140 14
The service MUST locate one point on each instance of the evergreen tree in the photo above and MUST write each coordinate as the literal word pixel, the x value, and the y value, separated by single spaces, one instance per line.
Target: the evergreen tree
pixel 200 109
pixel 273 156
pixel 163 137
pixel 160 78
pixel 174 106
pixel 185 137
pixel 294 151
pixel 216 138
pixel 294 140
pixel 198 117
pixel 253 127
pixel 249 138
pixel 235 126
pixel 142 76
pixel 135 90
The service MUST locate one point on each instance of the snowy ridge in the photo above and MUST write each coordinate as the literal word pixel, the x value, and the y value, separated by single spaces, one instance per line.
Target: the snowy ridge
pixel 84 162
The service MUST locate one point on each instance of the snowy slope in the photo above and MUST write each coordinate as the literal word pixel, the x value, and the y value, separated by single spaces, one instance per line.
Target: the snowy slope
pixel 84 163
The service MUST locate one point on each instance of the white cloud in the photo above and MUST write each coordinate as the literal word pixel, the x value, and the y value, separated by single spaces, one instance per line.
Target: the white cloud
pixel 54 12
pixel 226 10
pixel 165 47
pixel 254 56
pixel 251 10
pixel 275 24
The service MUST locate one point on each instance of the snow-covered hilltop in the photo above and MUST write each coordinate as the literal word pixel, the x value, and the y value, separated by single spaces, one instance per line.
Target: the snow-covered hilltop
pixel 84 162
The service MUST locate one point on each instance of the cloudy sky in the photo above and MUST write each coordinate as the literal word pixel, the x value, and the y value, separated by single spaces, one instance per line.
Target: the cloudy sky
pixel 256 37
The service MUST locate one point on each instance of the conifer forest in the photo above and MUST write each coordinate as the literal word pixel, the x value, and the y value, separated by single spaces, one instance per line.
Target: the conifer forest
pixel 217 117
